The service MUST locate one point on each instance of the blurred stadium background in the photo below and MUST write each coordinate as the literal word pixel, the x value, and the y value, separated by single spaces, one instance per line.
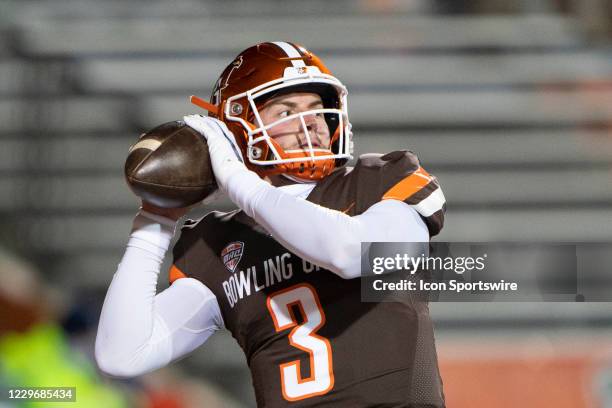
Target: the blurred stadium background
pixel 508 102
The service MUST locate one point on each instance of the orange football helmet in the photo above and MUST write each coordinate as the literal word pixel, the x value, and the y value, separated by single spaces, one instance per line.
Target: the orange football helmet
pixel 269 69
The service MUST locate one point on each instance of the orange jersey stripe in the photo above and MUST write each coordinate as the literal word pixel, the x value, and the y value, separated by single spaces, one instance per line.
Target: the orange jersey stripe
pixel 408 186
pixel 175 273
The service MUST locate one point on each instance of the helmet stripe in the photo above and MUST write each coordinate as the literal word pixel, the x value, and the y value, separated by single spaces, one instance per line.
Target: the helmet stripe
pixel 291 52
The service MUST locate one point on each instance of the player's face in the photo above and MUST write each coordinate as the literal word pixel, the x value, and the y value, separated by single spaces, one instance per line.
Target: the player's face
pixel 290 135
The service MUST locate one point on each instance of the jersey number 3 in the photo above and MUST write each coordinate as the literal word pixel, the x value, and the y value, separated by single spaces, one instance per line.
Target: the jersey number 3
pixel 304 337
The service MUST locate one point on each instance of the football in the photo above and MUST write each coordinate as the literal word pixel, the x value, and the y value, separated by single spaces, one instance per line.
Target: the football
pixel 169 166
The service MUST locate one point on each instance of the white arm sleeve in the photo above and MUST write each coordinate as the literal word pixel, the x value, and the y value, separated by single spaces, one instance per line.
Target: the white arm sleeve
pixel 140 331
pixel 325 237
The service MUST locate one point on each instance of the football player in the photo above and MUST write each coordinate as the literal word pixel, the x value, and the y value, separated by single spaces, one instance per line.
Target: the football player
pixel 278 273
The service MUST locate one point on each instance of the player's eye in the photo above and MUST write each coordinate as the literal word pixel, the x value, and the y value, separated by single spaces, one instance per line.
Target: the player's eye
pixel 284 114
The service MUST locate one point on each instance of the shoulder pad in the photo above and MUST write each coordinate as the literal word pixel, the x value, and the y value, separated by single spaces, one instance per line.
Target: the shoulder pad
pixel 399 176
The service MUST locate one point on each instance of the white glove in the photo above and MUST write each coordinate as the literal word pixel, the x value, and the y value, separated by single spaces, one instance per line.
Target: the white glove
pixel 225 155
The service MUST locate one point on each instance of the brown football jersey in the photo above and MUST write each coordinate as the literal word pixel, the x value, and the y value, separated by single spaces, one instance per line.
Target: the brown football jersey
pixel 308 338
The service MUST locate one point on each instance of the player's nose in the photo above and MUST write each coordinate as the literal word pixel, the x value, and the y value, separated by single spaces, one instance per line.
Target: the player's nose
pixel 312 123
